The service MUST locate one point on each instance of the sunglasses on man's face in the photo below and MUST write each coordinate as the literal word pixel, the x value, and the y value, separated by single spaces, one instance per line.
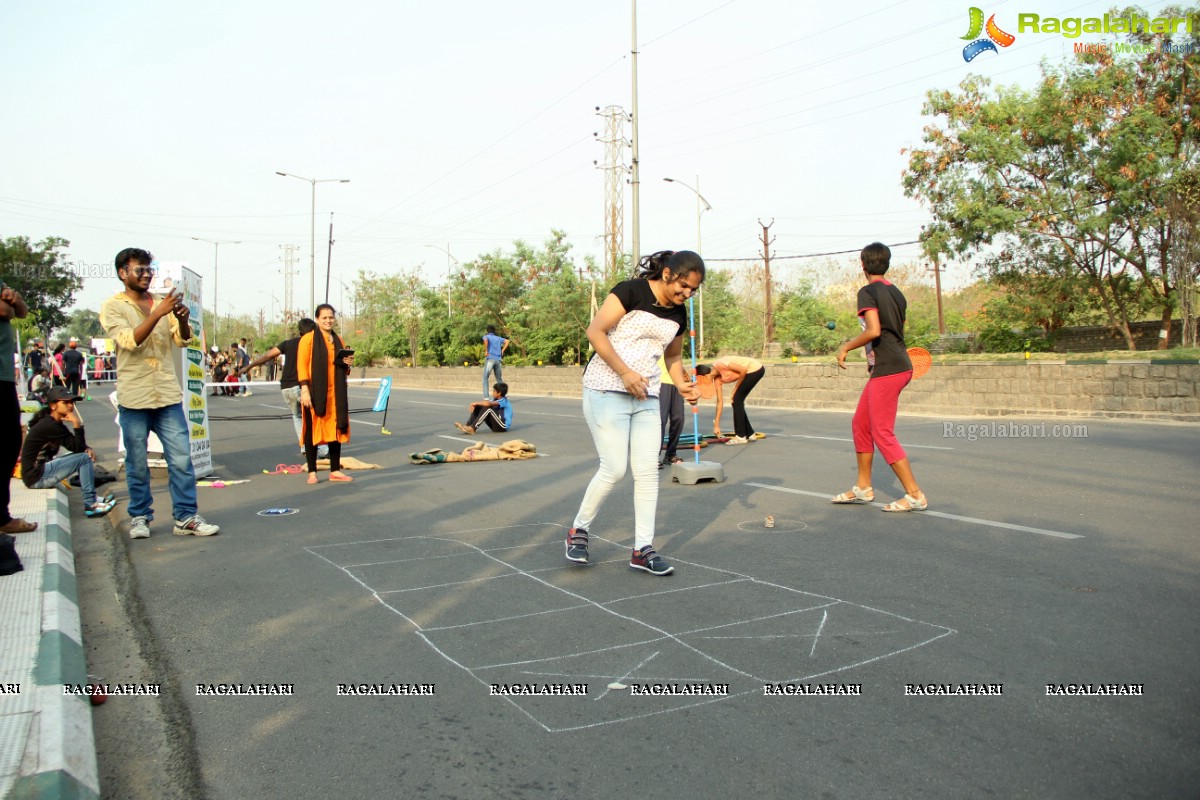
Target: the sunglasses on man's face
pixel 141 271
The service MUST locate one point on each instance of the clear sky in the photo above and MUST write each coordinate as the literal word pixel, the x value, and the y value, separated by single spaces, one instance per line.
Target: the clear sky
pixel 469 125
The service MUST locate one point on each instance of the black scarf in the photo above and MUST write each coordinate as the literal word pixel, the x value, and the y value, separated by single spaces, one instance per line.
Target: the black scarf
pixel 320 380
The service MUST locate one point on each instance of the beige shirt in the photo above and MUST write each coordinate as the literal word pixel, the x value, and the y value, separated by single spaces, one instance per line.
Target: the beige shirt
pixel 746 363
pixel 146 373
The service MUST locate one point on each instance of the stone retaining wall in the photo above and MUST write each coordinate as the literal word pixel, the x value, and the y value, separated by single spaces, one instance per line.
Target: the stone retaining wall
pixel 1151 391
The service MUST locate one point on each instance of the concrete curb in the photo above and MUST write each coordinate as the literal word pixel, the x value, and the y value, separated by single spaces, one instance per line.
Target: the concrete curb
pixel 59 754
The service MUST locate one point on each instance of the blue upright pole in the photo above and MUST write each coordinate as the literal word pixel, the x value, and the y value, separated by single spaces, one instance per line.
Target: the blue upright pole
pixel 695 406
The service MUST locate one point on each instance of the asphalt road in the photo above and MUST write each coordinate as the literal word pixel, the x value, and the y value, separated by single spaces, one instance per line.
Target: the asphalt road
pixel 1047 561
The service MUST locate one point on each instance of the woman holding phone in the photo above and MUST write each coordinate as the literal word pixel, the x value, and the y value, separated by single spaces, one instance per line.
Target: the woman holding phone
pixel 323 363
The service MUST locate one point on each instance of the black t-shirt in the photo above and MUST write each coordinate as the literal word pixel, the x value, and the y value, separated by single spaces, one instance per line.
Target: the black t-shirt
pixel 639 337
pixel 289 378
pixel 886 354
pixel 34 359
pixel 42 443
pixel 73 362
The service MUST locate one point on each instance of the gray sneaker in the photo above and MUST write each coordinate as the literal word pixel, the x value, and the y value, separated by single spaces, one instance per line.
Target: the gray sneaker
pixel 139 528
pixel 195 525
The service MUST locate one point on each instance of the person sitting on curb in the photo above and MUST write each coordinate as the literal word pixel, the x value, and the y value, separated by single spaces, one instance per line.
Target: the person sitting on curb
pixel 40 469
pixel 40 385
pixel 497 412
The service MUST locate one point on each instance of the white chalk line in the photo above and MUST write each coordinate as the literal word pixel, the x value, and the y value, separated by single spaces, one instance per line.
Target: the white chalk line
pixel 804 635
pixel 941 514
pixel 421 536
pixel 449 555
pixel 665 635
pixel 430 643
pixel 817 635
pixel 645 661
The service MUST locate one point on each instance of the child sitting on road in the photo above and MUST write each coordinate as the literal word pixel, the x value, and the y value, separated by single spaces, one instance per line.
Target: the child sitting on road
pixel 497 412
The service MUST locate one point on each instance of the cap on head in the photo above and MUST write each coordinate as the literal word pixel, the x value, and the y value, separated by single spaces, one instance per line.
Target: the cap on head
pixel 59 393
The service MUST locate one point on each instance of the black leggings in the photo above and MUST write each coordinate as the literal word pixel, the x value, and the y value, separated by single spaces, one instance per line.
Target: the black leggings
pixel 741 423
pixel 310 449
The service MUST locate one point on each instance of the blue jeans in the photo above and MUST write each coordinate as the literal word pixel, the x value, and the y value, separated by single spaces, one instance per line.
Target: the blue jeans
pixel 59 469
pixel 171 426
pixel 627 434
pixel 491 365
pixel 291 396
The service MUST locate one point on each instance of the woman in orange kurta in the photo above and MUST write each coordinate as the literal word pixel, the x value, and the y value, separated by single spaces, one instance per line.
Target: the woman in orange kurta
pixel 323 393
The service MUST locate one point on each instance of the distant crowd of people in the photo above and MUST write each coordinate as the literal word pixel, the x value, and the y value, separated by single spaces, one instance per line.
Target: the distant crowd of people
pixel 67 366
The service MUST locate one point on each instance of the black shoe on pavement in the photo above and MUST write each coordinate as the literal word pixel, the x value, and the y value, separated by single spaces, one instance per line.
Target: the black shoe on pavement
pixel 577 545
pixel 649 561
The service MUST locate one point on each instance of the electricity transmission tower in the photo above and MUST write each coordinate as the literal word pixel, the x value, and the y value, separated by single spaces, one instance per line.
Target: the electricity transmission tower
pixel 614 189
pixel 289 270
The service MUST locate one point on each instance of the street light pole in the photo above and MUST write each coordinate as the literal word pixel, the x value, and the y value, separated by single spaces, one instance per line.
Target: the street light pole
pixel 312 241
pixel 446 250
pixel 699 210
pixel 216 254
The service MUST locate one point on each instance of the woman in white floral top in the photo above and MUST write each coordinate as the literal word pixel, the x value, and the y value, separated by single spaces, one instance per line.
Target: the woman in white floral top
pixel 640 320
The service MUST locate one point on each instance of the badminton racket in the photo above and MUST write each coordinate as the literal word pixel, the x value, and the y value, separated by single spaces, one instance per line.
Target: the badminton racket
pixel 921 360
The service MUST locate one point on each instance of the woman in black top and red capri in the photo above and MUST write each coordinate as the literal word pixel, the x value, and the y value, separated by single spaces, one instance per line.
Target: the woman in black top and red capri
pixel 881 311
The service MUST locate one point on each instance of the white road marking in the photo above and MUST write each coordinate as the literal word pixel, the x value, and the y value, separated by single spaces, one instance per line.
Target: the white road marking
pixel 943 515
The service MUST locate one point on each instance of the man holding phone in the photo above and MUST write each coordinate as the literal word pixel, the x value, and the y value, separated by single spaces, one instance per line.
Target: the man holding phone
pixel 148 331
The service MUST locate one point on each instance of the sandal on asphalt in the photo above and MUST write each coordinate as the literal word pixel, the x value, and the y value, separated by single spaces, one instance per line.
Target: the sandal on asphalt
pixel 855 496
pixel 312 477
pixel 909 503
pixel 97 509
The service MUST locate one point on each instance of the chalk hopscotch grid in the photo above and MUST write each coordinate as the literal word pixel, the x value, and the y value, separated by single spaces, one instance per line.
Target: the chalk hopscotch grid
pixel 663 635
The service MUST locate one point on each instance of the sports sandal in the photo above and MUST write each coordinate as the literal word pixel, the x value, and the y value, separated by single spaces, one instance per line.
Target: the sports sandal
pixel 97 509
pixel 909 503
pixel 855 496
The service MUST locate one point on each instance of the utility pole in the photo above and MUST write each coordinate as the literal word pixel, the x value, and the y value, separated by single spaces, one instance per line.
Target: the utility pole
pixel 769 313
pixel 635 174
pixel 937 282
pixel 329 259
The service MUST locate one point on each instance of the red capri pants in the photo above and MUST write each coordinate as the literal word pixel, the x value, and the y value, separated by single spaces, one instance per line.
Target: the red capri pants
pixel 874 422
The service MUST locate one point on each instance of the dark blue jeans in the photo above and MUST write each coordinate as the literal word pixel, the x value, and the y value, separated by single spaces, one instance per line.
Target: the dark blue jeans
pixel 171 427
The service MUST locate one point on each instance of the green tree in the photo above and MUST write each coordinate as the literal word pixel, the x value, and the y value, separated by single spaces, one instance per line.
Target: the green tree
pixel 1084 160
pixel 802 317
pixel 733 313
pixel 39 273
pixel 391 312
pixel 84 325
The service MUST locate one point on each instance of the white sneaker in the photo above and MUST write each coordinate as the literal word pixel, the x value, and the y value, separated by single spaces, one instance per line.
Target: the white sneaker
pixel 139 528
pixel 738 440
pixel 195 525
